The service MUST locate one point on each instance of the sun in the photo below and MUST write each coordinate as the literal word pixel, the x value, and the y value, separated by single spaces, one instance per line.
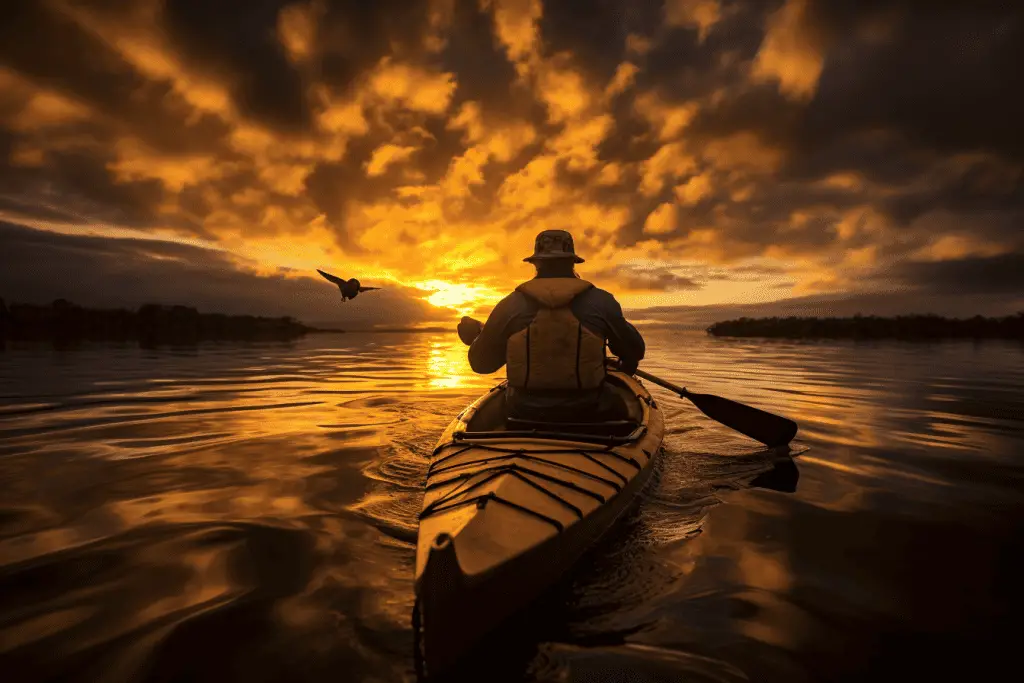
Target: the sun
pixel 462 298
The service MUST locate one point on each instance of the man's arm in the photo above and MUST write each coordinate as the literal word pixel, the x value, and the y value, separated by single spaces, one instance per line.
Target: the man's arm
pixel 624 340
pixel 487 352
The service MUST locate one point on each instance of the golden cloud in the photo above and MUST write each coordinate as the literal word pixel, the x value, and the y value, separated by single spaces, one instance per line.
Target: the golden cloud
pixel 702 14
pixel 500 144
pixel 564 92
pixel 743 151
pixel 296 29
pixel 136 162
pixel 791 54
pixel 668 119
pixel 533 187
pixel 578 144
pixel 951 247
pixel 694 189
pixel 412 87
pixel 662 220
pixel 515 23
pixel 669 162
pixel 35 109
pixel 470 120
pixel 386 155
pixel 625 75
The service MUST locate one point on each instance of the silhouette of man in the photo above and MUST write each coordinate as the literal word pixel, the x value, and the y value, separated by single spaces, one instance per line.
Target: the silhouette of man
pixel 551 333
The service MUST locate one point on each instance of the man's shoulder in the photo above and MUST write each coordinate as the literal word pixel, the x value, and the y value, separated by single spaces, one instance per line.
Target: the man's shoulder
pixel 599 301
pixel 595 293
pixel 512 298
pixel 513 303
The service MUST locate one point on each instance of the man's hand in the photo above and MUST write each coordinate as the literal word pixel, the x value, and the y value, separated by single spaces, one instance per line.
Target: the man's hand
pixel 469 329
pixel 627 366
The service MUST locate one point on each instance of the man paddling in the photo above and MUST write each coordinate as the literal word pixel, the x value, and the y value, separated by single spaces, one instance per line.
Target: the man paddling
pixel 551 333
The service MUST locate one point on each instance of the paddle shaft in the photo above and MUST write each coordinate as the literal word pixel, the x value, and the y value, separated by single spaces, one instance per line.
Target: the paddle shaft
pixel 660 382
pixel 760 425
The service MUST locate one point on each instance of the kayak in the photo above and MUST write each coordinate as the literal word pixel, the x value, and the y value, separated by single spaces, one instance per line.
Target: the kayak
pixel 509 506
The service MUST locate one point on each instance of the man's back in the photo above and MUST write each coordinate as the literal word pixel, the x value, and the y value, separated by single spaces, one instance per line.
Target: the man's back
pixel 552 333
pixel 600 318
pixel 595 308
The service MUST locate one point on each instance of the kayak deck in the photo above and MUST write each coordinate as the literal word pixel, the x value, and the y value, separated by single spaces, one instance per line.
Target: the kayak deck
pixel 508 509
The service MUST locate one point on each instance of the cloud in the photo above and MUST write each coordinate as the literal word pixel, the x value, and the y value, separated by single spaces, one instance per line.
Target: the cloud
pixel 888 303
pixel 703 14
pixel 791 53
pixel 1002 274
pixel 661 221
pixel 639 279
pixel 833 144
pixel 39 266
pixel 238 43
pixel 515 23
pixel 411 87
pixel 384 156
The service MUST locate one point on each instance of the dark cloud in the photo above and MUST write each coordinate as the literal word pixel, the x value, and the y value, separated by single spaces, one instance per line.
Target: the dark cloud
pixel 104 78
pixel 89 70
pixel 681 65
pixel 632 139
pixel 935 79
pixel 980 189
pixel 40 266
pixel 888 303
pixel 239 39
pixel 353 36
pixel 436 152
pixel 946 77
pixel 333 186
pixel 909 96
pixel 484 72
pixel 879 156
pixel 595 32
pixel 81 184
pixel 961 288
pixel 33 209
pixel 479 204
pixel 759 109
pixel 653 279
pixel 1001 275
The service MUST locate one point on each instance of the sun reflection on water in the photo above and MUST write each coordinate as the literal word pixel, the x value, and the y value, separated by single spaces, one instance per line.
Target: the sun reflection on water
pixel 447 365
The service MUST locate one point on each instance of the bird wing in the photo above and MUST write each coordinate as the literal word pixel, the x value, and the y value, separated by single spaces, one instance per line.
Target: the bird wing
pixel 327 276
pixel 367 289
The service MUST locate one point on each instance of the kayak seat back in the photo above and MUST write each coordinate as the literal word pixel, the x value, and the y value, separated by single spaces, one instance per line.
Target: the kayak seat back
pixel 609 427
pixel 623 406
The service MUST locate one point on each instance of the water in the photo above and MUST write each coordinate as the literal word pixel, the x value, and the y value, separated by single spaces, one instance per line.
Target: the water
pixel 247 512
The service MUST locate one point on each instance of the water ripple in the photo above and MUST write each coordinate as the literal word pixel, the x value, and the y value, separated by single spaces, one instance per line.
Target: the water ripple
pixel 248 512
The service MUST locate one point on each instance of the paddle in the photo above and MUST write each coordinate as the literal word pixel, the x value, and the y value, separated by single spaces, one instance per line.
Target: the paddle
pixel 771 430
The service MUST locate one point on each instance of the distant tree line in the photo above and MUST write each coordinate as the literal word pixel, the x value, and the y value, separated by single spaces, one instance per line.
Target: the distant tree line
pixel 151 323
pixel 873 327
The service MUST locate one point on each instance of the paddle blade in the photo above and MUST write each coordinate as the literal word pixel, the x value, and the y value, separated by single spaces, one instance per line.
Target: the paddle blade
pixel 771 430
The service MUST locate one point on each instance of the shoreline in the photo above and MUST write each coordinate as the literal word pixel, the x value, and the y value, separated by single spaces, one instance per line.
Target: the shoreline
pixel 63 321
pixel 902 328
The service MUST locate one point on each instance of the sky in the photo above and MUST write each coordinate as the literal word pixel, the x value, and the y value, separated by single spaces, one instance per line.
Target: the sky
pixel 710 157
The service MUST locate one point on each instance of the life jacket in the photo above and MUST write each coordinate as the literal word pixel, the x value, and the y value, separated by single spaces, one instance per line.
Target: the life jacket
pixel 555 352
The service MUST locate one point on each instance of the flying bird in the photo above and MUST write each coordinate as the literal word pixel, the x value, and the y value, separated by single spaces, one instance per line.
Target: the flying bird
pixel 349 288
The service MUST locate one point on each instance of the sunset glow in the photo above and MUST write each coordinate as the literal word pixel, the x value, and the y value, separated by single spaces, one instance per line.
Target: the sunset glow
pixel 462 298
pixel 703 153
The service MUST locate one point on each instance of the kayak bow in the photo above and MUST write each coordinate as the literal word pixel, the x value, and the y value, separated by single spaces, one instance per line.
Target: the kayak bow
pixel 510 506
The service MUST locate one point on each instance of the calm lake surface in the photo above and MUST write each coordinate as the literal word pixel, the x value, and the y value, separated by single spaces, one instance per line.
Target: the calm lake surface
pixel 248 512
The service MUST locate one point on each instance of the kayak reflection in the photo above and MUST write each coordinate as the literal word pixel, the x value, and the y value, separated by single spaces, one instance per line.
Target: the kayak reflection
pixel 583 624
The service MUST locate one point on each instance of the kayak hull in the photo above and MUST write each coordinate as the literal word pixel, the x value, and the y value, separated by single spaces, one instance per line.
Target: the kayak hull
pixel 508 512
